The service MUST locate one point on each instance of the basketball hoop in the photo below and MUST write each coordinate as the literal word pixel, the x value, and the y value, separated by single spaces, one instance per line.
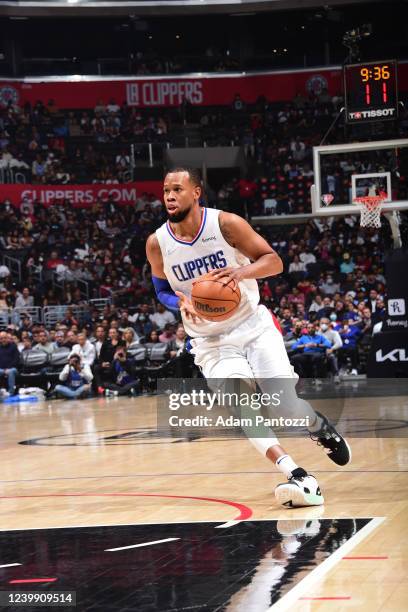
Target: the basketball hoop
pixel 370 207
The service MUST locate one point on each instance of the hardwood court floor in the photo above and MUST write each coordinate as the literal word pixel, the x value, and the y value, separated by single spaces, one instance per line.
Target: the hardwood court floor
pixel 92 463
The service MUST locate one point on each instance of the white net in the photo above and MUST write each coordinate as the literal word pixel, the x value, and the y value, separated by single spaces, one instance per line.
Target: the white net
pixel 370 207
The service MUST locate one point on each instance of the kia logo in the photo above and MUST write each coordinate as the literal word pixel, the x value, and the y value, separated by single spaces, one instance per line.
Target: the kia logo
pixel 397 354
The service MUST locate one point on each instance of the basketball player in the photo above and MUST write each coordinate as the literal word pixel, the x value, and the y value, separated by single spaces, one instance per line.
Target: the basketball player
pixel 196 240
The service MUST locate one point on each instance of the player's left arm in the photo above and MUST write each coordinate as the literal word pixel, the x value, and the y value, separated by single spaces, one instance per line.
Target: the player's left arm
pixel 241 236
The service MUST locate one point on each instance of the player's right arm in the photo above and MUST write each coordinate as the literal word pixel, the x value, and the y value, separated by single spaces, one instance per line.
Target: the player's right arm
pixel 170 299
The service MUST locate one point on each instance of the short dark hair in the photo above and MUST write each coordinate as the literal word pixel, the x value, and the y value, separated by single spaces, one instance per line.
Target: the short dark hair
pixel 193 174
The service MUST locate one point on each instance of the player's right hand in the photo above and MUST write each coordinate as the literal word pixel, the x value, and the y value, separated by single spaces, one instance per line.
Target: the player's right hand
pixel 187 308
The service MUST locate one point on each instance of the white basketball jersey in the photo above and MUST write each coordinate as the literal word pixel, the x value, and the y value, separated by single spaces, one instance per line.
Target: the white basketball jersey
pixel 185 261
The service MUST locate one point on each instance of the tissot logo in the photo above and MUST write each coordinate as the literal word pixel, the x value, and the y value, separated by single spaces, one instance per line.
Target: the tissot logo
pixel 371 114
pixel 397 354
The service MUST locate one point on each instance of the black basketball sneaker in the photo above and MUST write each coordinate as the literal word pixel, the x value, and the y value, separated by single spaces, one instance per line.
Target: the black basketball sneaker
pixel 327 436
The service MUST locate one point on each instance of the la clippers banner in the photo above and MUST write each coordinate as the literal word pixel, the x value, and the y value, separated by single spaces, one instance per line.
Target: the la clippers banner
pixel 170 92
pixel 79 195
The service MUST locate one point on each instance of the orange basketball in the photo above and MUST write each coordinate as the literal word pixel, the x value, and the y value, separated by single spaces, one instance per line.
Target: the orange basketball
pixel 213 299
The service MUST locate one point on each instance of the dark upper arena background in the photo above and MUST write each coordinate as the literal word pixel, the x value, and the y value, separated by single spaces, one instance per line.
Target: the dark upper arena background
pixel 96 103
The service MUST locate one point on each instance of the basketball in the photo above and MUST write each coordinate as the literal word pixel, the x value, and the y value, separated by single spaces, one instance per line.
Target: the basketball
pixel 213 299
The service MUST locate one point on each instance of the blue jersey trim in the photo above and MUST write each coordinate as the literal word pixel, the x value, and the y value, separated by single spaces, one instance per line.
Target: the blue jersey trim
pixel 200 231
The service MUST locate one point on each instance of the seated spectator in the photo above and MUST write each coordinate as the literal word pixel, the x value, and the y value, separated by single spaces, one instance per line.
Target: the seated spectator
pixel 100 337
pixel 69 319
pixel 4 301
pixel 366 324
pixel 328 286
pixel 326 309
pixel 120 379
pixel 26 343
pixel 313 347
pixel 25 323
pixel 167 334
pixel 9 361
pixel 75 378
pixel 44 343
pixel 70 338
pixel 317 304
pixel 350 335
pixel 24 300
pixel 296 265
pixel 336 342
pixel 293 335
pixel 182 360
pixel 286 321
pixel 162 316
pixel 106 355
pixel 143 325
pixel 129 336
pixel 59 341
pixel 85 349
pixel 152 338
pixel 347 266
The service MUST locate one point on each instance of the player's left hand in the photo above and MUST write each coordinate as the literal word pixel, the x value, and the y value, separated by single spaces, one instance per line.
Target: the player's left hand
pixel 227 275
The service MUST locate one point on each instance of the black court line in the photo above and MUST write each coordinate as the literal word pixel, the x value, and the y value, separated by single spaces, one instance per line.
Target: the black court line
pixel 176 474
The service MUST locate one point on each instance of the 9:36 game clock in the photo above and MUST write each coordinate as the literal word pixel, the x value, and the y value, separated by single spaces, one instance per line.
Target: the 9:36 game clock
pixel 370 91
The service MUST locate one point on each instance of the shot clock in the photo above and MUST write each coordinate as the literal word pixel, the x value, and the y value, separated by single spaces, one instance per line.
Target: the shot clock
pixel 371 91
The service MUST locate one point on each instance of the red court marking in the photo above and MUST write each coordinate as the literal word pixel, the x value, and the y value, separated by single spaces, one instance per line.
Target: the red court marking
pixel 371 558
pixel 244 511
pixel 325 598
pixel 28 580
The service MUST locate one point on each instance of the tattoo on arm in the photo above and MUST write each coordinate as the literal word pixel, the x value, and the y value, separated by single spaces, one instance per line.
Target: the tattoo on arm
pixel 225 231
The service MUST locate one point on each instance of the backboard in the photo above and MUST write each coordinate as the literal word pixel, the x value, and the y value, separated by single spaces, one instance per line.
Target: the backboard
pixel 344 172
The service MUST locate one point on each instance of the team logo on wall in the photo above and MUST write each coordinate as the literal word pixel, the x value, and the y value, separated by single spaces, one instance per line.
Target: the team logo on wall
pixel 8 94
pixel 316 84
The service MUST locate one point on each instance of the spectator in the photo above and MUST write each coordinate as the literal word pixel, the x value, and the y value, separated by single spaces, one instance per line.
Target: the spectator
pixel 44 343
pixel 328 286
pixel 9 361
pixel 296 265
pixel 100 337
pixel 70 339
pixel 182 360
pixel 336 343
pixel 313 347
pixel 85 349
pixel 129 337
pixel 76 378
pixel 59 341
pixel 106 355
pixel 162 316
pixel 25 300
pixel 349 334
pixel 121 379
pixel 168 333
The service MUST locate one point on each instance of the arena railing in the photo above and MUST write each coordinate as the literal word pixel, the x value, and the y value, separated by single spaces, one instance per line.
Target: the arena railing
pixel 50 315
pixel 55 314
pixel 14 265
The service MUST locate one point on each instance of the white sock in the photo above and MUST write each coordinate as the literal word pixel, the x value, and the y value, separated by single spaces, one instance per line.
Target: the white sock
pixel 286 465
pixel 316 425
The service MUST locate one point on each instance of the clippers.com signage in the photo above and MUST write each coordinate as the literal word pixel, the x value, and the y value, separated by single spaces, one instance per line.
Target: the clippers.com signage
pixel 79 195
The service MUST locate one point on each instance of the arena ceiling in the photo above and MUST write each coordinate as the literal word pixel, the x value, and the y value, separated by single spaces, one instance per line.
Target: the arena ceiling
pixel 77 8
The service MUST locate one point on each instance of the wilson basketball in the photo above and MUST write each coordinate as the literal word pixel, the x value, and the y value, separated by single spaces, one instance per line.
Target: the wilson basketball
pixel 213 299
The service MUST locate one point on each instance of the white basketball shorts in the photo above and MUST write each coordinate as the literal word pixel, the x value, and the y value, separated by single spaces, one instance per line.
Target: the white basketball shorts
pixel 254 349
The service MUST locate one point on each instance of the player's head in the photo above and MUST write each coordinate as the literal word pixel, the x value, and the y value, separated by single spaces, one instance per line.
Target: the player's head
pixel 181 192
